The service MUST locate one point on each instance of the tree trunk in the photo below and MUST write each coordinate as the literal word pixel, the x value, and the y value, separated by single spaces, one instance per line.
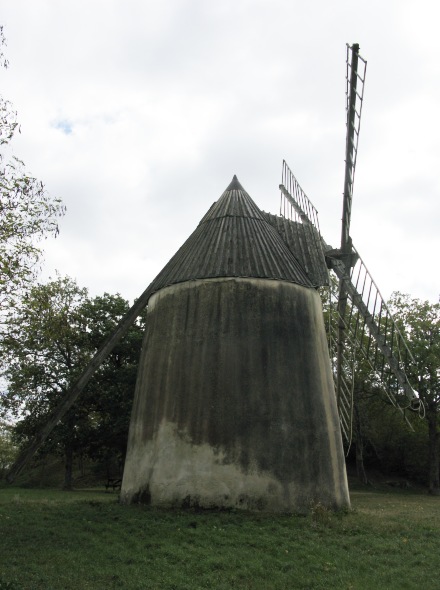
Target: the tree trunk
pixel 434 458
pixel 68 477
pixel 359 445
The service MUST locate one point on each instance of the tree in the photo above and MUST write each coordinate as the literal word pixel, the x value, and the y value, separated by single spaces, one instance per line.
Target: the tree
pixel 420 322
pixel 8 450
pixel 27 213
pixel 44 345
pixel 55 331
pixel 110 393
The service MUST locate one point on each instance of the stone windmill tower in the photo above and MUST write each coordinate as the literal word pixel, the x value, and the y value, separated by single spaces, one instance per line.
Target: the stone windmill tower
pixel 234 403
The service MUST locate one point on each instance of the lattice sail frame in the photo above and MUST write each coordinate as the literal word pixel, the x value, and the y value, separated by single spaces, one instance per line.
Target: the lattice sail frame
pixel 369 326
pixel 301 211
pixel 356 71
pixel 370 331
pixel 354 96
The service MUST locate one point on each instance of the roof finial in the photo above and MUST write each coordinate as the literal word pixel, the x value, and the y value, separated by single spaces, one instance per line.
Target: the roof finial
pixel 235 185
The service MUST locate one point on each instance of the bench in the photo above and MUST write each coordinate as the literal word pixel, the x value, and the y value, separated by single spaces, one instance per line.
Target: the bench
pixel 115 484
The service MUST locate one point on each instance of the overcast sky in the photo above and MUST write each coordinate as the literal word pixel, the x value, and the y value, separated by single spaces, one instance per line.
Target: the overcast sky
pixel 137 113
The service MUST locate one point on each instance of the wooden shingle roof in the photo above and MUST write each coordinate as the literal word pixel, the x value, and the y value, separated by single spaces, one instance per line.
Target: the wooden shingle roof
pixel 234 239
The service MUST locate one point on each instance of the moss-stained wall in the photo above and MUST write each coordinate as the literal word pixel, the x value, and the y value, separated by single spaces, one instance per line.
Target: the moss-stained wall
pixel 234 403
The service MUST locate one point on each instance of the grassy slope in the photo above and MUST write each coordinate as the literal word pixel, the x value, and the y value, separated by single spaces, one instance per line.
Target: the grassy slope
pixel 59 540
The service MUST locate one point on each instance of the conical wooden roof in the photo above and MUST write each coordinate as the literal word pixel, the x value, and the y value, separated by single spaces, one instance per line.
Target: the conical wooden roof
pixel 233 239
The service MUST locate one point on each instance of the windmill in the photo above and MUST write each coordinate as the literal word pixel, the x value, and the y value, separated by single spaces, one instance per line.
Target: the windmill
pixel 362 320
pixel 302 257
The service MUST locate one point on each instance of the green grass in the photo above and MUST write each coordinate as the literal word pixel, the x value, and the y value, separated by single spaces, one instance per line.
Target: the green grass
pixel 75 540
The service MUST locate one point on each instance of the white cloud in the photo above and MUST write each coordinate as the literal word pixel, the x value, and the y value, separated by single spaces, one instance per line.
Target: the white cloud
pixel 138 113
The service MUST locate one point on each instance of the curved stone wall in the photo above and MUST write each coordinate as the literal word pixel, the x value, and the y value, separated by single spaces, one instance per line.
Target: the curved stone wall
pixel 234 403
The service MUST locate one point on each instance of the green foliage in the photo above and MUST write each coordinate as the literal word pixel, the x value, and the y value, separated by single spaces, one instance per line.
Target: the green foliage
pixel 420 322
pixel 86 540
pixel 8 450
pixel 110 394
pixel 389 443
pixel 44 347
pixel 385 439
pixel 53 333
pixel 28 214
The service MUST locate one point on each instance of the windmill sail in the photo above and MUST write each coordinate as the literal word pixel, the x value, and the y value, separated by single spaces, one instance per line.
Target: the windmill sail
pixel 301 236
pixel 356 68
pixel 370 329
pixel 355 82
pixel 367 321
